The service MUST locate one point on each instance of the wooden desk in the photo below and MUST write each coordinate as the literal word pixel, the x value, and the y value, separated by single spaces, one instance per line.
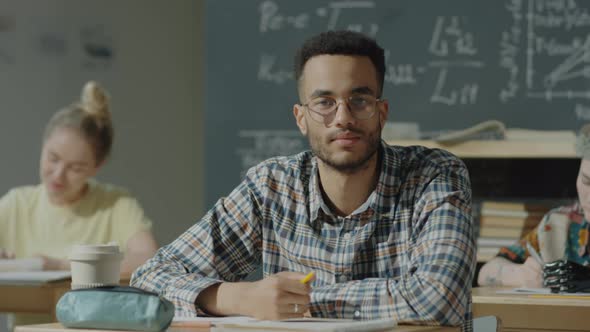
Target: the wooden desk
pixel 36 298
pixel 56 327
pixel 526 313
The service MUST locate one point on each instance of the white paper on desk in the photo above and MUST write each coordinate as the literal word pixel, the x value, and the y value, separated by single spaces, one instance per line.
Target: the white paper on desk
pixel 309 324
pixel 33 277
pixel 213 320
pixel 21 264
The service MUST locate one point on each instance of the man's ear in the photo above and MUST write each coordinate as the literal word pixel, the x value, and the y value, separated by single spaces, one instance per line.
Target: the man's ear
pixel 299 113
pixel 383 109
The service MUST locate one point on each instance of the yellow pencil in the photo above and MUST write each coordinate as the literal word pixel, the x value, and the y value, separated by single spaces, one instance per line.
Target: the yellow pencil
pixel 549 296
pixel 307 278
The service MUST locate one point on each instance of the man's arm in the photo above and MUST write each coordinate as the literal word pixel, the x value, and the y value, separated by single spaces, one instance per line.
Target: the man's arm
pixel 223 246
pixel 279 296
pixel 435 287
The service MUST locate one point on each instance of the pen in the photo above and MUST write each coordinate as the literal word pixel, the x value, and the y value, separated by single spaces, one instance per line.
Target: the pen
pixel 534 253
pixel 307 278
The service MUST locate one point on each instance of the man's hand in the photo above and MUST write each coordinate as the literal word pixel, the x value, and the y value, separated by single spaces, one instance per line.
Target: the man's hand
pixel 279 296
pixel 6 254
pixel 531 273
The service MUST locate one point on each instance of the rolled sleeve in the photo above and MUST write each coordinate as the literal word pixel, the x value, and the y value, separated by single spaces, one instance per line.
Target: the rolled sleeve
pixel 221 247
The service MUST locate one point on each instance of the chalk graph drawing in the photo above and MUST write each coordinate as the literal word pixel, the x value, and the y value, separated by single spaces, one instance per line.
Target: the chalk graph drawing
pixel 567 77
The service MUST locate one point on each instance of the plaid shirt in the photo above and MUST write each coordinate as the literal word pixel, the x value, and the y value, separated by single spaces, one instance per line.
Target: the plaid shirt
pixel 406 253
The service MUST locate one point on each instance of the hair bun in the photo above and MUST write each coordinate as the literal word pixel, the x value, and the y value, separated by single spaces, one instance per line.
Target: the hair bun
pixel 95 99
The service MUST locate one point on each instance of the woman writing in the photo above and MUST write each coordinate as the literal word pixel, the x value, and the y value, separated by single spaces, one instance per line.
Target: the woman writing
pixel 69 206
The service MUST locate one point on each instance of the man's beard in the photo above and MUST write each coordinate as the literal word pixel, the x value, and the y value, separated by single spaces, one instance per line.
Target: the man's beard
pixel 349 166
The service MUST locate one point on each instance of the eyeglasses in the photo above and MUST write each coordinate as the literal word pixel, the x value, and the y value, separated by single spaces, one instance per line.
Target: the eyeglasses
pixel 361 107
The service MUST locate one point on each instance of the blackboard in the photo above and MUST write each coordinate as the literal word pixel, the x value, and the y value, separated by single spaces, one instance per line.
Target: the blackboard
pixel 450 64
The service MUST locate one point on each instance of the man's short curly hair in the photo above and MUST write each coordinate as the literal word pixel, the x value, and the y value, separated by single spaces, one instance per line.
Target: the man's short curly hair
pixel 342 43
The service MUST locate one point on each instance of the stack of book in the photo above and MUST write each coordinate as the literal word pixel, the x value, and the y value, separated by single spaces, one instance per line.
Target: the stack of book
pixel 504 223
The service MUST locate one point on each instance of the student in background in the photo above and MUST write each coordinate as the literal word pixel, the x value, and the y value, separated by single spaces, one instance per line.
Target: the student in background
pixel 387 230
pixel 69 207
pixel 563 233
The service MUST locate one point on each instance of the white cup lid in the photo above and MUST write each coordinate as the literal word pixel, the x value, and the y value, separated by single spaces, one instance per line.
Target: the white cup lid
pixel 94 251
pixel 95 248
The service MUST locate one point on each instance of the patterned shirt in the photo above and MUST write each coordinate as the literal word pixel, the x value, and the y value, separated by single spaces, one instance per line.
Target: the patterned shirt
pixel 577 238
pixel 407 253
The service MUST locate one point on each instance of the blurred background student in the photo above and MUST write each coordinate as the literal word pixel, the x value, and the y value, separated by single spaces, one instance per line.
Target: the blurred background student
pixel 563 233
pixel 69 206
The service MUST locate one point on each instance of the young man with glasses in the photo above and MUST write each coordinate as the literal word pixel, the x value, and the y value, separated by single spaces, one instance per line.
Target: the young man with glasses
pixel 386 230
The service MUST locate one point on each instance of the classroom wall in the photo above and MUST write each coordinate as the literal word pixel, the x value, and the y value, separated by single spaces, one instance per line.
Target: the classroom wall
pixel 148 54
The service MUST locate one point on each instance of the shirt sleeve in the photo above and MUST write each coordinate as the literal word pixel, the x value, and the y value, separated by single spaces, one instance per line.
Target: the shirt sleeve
pixel 8 207
pixel 437 286
pixel 129 219
pixel 517 252
pixel 223 246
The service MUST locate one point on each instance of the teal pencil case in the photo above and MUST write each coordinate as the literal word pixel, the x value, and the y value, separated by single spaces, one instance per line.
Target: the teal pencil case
pixel 114 308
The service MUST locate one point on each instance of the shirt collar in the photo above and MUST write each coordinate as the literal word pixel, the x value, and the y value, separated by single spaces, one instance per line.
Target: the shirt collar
pixel 316 201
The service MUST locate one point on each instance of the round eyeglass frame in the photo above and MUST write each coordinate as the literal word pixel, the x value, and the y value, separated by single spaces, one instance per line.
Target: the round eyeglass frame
pixel 322 117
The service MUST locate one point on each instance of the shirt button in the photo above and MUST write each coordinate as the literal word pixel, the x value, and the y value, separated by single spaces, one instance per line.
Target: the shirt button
pixel 357 314
pixel 347 236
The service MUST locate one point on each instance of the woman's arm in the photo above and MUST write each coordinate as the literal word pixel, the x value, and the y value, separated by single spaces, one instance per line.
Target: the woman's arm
pixel 501 272
pixel 140 247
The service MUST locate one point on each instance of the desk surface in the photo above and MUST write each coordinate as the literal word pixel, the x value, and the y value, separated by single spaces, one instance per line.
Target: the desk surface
pixel 489 295
pixel 36 298
pixel 56 327
pixel 527 313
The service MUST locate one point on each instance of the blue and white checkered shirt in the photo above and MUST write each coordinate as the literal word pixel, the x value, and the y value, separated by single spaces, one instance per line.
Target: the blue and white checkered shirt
pixel 407 253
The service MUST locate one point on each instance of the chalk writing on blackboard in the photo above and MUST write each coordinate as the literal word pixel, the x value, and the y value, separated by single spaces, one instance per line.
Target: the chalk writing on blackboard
pixel 259 145
pixel 271 19
pixel 530 39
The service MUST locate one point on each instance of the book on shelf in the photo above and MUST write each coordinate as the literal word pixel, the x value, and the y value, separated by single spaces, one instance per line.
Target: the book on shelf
pixel 509 222
pixel 513 209
pixel 484 254
pixel 495 242
pixel 503 232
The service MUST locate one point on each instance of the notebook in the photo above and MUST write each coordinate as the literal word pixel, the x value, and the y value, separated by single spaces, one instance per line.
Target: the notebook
pixel 21 264
pixel 307 324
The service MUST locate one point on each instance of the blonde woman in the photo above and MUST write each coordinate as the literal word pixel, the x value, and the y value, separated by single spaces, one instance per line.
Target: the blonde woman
pixel 69 206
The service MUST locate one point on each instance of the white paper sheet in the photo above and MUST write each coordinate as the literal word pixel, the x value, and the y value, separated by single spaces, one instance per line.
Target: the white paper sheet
pixel 309 324
pixel 33 277
pixel 240 323
pixel 21 264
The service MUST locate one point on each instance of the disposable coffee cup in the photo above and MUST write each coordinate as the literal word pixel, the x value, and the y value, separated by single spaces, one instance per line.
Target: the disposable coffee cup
pixel 95 265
